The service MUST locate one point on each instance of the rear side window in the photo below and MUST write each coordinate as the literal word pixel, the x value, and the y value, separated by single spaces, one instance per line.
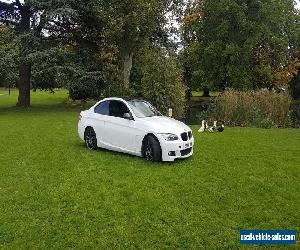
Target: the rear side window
pixel 117 109
pixel 102 108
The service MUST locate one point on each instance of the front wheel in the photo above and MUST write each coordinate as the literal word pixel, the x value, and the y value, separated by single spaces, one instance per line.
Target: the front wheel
pixel 151 149
pixel 90 138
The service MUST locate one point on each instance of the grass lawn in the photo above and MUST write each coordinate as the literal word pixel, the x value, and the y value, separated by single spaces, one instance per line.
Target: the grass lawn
pixel 54 193
pixel 200 93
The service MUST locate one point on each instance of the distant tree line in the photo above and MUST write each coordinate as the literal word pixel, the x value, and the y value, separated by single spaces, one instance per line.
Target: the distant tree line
pixel 240 44
pixel 126 47
pixel 87 46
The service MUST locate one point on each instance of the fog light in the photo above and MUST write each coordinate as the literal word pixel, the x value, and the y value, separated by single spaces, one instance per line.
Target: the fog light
pixel 172 153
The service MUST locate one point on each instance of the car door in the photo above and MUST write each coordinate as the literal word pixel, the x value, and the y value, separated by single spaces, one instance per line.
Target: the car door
pixel 121 131
pixel 100 115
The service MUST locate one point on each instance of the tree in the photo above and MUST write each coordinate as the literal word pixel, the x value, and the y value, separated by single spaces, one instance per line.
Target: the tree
pixel 294 85
pixel 134 23
pixel 189 55
pixel 40 26
pixel 28 20
pixel 161 80
pixel 8 52
pixel 19 16
pixel 243 44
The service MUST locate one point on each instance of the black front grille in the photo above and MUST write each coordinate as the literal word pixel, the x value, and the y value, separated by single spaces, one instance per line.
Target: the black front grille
pixel 190 134
pixel 186 151
pixel 184 136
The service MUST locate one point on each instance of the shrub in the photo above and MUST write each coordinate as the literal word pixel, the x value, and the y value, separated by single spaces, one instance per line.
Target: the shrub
pixel 88 86
pixel 295 114
pixel 161 82
pixel 254 108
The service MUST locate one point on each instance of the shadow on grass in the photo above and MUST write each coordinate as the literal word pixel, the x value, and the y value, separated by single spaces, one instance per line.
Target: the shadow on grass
pixel 130 157
pixel 44 108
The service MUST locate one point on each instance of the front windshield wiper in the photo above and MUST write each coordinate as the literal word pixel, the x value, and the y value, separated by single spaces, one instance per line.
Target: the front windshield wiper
pixel 152 115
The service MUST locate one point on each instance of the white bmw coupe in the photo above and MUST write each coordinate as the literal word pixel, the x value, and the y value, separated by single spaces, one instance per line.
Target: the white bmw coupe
pixel 135 127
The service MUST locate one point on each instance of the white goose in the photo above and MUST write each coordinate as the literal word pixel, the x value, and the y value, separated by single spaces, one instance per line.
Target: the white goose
pixel 213 128
pixel 203 126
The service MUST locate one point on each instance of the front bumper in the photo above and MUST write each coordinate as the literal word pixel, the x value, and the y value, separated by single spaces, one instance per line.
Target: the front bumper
pixel 172 150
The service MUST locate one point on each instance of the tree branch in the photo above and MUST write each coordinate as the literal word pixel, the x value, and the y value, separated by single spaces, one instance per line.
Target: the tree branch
pixel 9 22
pixel 8 13
pixel 18 3
pixel 42 22
pixel 5 6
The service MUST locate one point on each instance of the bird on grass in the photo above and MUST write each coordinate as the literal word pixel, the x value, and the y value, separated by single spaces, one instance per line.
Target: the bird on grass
pixel 203 127
pixel 213 128
pixel 217 127
pixel 221 127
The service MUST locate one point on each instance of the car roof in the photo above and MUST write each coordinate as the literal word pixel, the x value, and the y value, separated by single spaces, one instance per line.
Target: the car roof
pixel 126 98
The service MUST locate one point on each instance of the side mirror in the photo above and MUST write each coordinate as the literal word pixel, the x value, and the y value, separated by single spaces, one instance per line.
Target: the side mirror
pixel 127 116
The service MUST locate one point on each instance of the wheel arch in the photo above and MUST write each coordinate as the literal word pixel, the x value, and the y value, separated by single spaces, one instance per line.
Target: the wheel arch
pixel 144 140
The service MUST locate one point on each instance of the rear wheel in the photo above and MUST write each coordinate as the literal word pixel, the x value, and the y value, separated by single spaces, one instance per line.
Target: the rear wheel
pixel 90 138
pixel 151 149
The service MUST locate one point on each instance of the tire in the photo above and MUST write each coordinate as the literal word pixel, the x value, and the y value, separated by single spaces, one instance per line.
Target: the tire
pixel 151 149
pixel 90 138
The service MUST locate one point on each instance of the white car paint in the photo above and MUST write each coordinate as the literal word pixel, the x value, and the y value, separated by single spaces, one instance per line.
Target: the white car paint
pixel 123 135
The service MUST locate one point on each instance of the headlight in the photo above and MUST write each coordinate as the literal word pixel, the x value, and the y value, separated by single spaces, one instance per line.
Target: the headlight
pixel 170 137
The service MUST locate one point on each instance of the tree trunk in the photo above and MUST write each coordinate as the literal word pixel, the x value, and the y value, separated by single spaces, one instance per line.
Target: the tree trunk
pixel 127 66
pixel 189 94
pixel 24 84
pixel 206 92
pixel 24 66
pixel 188 81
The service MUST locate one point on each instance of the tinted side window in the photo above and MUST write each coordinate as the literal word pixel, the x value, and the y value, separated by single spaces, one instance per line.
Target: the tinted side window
pixel 102 108
pixel 117 109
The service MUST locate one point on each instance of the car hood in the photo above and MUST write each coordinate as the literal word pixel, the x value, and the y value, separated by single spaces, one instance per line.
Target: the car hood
pixel 162 124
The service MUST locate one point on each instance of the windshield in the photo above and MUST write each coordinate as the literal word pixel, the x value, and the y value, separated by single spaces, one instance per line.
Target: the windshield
pixel 143 109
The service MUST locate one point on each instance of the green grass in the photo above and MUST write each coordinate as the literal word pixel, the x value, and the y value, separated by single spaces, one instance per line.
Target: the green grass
pixel 200 93
pixel 54 193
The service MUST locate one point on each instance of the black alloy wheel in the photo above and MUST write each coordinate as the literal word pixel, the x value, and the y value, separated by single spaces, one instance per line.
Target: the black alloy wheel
pixel 151 149
pixel 90 138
